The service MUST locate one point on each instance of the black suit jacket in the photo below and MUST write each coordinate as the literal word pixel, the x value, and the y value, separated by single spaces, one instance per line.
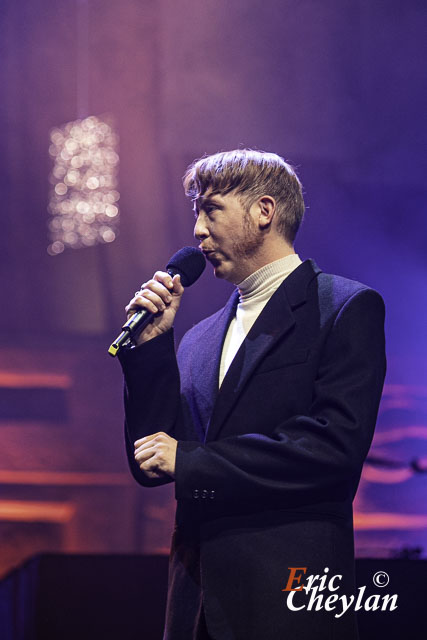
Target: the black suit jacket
pixel 267 466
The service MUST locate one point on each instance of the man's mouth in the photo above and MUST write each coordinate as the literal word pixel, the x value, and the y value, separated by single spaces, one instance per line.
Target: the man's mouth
pixel 211 255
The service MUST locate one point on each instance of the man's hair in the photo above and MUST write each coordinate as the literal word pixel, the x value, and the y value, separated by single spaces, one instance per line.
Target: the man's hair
pixel 250 174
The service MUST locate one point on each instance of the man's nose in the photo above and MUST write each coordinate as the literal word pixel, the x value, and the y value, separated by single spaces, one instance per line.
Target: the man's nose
pixel 200 229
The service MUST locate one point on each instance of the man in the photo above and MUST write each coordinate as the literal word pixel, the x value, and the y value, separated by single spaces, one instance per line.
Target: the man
pixel 264 419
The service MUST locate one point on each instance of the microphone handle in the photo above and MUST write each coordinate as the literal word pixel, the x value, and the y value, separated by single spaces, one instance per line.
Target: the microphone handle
pixel 133 327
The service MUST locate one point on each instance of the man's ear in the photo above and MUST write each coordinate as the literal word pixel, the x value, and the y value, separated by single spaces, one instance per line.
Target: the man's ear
pixel 267 209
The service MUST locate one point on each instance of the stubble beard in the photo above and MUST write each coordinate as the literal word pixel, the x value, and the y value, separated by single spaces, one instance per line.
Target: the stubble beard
pixel 252 240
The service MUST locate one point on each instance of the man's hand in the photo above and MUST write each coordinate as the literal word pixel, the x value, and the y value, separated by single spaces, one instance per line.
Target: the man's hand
pixel 161 296
pixel 156 454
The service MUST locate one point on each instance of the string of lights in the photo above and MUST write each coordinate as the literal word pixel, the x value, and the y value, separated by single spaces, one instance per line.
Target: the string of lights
pixel 83 202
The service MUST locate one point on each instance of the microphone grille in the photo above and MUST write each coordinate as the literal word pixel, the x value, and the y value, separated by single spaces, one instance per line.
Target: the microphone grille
pixel 189 263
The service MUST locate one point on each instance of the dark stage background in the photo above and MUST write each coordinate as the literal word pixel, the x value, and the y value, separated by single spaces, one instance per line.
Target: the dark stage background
pixel 338 88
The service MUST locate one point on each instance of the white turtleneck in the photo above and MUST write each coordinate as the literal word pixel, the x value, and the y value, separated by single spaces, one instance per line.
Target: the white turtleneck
pixel 255 291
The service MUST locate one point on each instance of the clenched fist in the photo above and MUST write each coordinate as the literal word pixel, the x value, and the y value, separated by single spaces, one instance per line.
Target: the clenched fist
pixel 156 454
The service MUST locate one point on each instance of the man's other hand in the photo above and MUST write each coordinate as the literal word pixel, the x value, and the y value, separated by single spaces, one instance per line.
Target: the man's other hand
pixel 156 454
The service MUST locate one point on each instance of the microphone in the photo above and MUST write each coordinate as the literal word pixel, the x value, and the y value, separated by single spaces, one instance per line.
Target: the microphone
pixel 189 263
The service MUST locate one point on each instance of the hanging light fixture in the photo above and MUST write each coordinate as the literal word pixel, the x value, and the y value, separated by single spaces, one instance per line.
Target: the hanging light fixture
pixel 83 200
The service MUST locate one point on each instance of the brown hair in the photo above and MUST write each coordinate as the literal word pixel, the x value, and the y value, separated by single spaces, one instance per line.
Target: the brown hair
pixel 251 174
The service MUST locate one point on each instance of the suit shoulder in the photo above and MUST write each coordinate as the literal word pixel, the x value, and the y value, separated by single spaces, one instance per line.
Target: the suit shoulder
pixel 337 295
pixel 339 289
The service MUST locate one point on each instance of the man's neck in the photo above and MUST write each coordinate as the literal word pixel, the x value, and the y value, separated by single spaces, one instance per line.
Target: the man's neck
pixel 268 276
pixel 266 256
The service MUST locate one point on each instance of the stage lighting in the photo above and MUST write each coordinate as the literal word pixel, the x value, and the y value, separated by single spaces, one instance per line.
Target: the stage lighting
pixel 83 203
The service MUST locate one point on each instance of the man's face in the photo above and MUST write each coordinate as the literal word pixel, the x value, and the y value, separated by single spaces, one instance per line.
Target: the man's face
pixel 228 234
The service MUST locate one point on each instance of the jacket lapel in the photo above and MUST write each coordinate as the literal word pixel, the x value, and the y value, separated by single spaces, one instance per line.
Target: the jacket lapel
pixel 273 323
pixel 205 365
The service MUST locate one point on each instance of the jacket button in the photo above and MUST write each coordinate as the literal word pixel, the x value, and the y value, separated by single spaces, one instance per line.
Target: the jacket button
pixel 195 493
pixel 205 493
pixel 212 494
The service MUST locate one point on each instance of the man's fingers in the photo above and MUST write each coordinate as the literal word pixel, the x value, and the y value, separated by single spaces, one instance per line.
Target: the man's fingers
pixel 141 441
pixel 150 462
pixel 178 289
pixel 146 299
pixel 140 302
pixel 173 284
pixel 156 294
pixel 150 466
pixel 154 298
pixel 147 447
pixel 155 454
pixel 160 289
pixel 141 455
pixel 164 278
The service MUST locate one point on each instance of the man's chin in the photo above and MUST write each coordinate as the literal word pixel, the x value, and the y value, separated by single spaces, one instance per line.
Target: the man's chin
pixel 222 273
pixel 219 271
pixel 222 269
pixel 218 266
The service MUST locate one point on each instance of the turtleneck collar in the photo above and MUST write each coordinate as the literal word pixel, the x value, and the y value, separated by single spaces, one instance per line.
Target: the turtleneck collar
pixel 268 276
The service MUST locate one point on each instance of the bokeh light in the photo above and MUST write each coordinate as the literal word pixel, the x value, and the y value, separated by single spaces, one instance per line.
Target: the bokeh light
pixel 83 203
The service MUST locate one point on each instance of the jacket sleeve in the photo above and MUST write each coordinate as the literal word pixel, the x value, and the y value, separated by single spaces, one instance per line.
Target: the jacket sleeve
pixel 307 457
pixel 151 396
